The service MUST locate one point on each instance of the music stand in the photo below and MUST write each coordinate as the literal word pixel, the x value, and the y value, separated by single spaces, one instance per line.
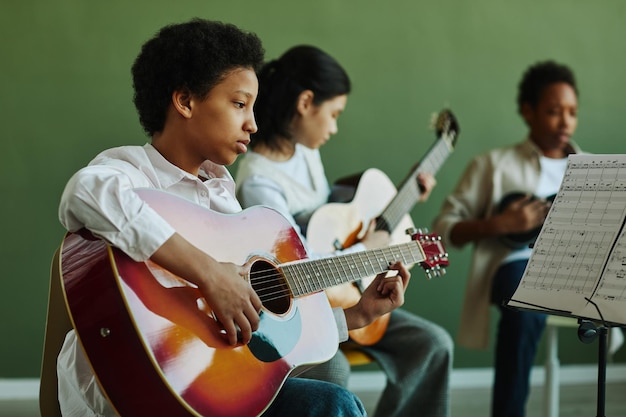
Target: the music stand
pixel 578 263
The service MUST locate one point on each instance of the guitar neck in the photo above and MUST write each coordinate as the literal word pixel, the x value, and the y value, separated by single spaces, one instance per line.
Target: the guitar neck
pixel 409 191
pixel 311 276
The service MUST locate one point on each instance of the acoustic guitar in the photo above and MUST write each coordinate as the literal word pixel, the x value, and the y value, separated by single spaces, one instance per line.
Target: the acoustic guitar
pixel 524 239
pixel 372 195
pixel 152 339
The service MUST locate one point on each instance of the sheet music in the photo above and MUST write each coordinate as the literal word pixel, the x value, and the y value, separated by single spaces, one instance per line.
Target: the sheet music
pixel 581 249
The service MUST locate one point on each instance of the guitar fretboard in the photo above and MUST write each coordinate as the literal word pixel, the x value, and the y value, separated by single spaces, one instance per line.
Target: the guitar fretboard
pixel 307 277
pixel 409 192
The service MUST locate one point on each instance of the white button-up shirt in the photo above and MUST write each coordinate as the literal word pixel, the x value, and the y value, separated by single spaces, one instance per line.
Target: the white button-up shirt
pixel 100 198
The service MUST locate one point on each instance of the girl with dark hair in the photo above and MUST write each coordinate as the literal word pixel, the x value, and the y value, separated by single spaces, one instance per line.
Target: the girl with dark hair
pixel 301 96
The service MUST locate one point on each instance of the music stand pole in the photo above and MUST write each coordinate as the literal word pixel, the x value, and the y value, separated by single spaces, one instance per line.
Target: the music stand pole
pixel 587 333
pixel 602 347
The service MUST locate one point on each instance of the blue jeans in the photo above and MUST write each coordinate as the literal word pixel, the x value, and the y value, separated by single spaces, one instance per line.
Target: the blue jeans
pixel 311 398
pixel 518 335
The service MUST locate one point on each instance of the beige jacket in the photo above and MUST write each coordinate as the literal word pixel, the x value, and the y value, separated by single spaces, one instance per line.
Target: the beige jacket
pixel 487 179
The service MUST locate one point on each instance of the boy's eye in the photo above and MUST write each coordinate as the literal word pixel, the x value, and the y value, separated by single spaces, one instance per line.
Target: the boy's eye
pixel 240 104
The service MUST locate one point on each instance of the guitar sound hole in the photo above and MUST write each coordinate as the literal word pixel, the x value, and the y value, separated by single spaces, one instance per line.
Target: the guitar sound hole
pixel 270 286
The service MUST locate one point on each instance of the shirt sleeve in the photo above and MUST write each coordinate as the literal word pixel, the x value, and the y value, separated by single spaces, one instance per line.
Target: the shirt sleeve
pixel 469 199
pixel 258 190
pixel 101 199
pixel 262 191
pixel 342 325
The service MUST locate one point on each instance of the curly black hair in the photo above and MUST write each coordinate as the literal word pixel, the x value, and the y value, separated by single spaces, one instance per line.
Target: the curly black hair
pixel 194 56
pixel 540 75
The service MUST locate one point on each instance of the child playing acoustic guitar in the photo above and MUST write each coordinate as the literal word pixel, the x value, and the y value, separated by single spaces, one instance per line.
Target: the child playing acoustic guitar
pixel 195 85
pixel 474 213
pixel 302 94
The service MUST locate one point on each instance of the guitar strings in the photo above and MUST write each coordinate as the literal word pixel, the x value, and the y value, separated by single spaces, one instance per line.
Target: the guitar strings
pixel 402 251
pixel 296 275
pixel 396 210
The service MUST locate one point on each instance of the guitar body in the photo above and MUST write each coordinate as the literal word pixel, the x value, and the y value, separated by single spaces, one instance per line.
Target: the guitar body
pixel 149 334
pixel 524 239
pixel 340 225
pixel 347 223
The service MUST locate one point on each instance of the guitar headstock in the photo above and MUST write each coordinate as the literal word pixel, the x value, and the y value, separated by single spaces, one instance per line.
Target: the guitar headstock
pixel 436 256
pixel 446 126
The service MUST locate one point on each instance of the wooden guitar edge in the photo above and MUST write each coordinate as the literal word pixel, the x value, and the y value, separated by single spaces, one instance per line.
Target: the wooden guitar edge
pixel 371 333
pixel 347 295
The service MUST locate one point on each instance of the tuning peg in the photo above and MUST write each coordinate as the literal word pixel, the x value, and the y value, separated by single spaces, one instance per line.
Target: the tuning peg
pixel 435 271
pixel 420 231
pixel 431 236
pixel 440 271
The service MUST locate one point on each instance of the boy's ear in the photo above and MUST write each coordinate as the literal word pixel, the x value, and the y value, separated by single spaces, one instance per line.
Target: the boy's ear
pixel 181 100
pixel 305 101
pixel 527 112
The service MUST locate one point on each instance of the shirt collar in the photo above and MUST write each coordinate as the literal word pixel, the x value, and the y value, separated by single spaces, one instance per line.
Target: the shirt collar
pixel 169 174
pixel 532 148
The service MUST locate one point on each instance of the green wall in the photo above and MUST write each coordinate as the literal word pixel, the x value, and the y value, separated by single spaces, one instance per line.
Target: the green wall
pixel 66 95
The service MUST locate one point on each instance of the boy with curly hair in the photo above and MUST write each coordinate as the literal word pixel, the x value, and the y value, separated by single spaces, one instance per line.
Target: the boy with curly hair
pixel 195 86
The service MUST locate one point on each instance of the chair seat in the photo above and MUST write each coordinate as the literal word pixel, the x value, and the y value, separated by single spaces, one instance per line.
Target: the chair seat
pixel 356 356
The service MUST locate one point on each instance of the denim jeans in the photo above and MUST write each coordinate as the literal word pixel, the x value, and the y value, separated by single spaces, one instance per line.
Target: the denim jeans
pixel 311 398
pixel 518 335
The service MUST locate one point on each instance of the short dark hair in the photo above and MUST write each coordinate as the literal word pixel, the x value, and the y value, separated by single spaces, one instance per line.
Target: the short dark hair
pixel 194 56
pixel 282 80
pixel 540 75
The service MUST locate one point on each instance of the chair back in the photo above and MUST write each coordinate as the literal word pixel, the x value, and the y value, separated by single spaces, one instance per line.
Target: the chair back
pixel 57 325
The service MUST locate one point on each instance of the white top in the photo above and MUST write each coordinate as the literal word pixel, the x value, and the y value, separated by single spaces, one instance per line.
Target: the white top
pixel 100 197
pixel 552 172
pixel 296 188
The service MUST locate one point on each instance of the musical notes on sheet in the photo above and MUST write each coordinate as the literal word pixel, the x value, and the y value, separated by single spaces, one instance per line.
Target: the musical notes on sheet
pixel 567 260
pixel 581 249
pixel 613 283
